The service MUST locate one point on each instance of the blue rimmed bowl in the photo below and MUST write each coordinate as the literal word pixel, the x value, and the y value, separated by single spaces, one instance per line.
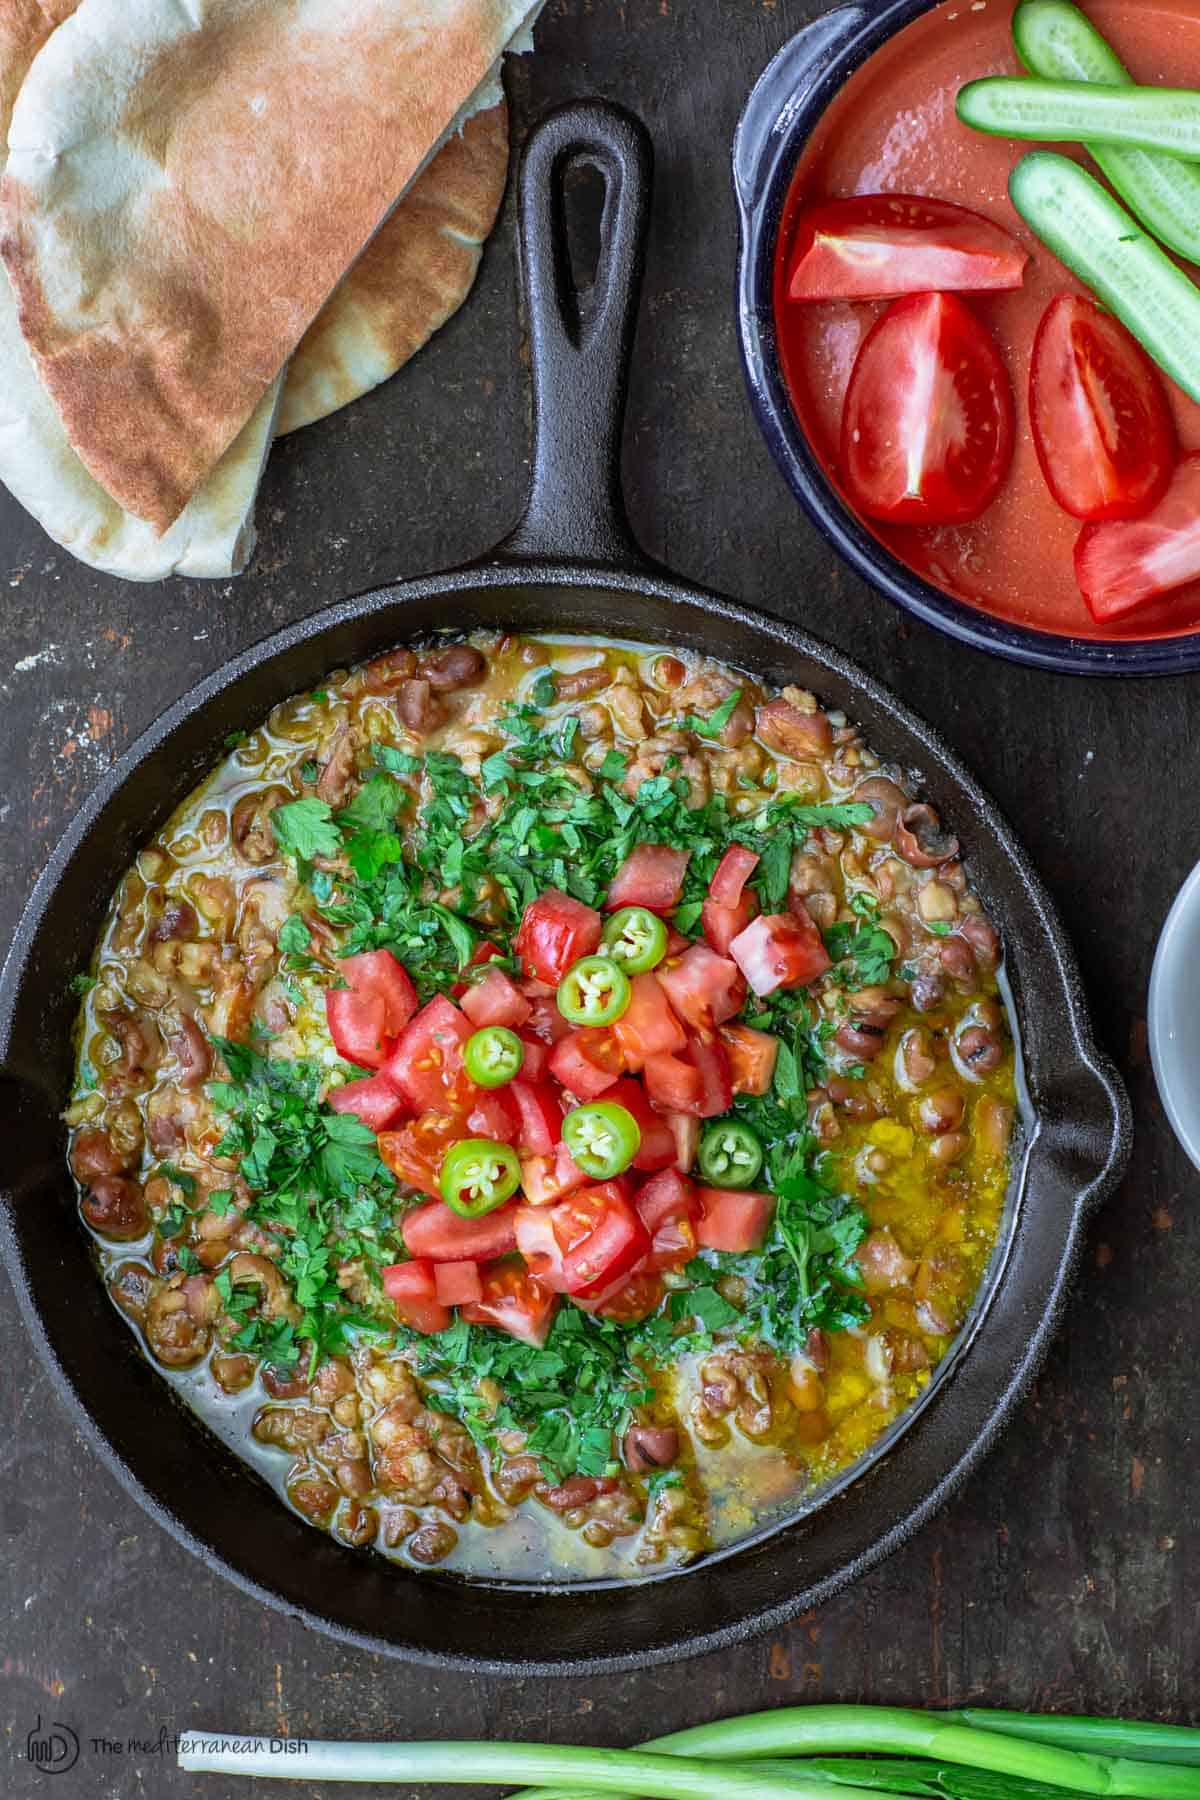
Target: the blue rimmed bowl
pixel 784 109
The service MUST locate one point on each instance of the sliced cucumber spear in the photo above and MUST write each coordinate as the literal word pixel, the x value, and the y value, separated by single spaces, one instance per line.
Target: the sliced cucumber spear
pixel 1105 247
pixel 1055 40
pixel 1074 112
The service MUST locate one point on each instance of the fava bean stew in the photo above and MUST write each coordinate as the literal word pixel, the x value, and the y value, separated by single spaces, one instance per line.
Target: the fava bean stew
pixel 546 1103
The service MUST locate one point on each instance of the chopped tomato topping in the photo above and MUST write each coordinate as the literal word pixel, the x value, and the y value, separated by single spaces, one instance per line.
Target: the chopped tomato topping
pixel 545 1022
pixel 540 1115
pixel 426 1064
pixel 672 1083
pixel 514 1302
pixel 733 1218
pixel 587 1061
pixel 493 1115
pixel 457 1283
pixel 732 873
pixel 415 1153
pixel 651 876
pixel 648 1026
pixel 704 989
pixel 555 932
pixel 484 952
pixel 496 1000
pixel 657 1148
pixel 752 1057
pixel 710 1057
pixel 411 1288
pixel 539 1246
pixel 668 1208
pixel 600 1235
pixel 630 1300
pixel 685 1129
pixel 545 1179
pixel 373 1100
pixel 780 950
pixel 376 1004
pixel 433 1231
pixel 721 924
pixel 537 1057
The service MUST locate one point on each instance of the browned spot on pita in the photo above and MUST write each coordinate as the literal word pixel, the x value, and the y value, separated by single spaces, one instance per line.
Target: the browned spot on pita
pixel 413 275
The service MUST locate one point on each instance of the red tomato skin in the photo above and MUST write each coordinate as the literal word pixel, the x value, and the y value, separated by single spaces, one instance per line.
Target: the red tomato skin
pixel 537 1058
pixel 672 1083
pixel 425 1064
pixel 648 1026
pixel 514 1302
pixel 752 1058
pixel 357 1024
pixel 733 1218
pixel 495 1001
pixel 555 931
pixel 435 1233
pixel 539 1246
pixel 373 1100
pixel 379 972
pixel 601 1236
pixel 1089 379
pixel 721 924
pixel 780 950
pixel 484 952
pixel 586 1061
pixel 546 1024
pixel 630 1300
pixel 457 1283
pixel 710 1057
pixel 657 1148
pixel 412 1290
pixel 930 353
pixel 540 1116
pixel 1121 564
pixel 704 989
pixel 668 1208
pixel 731 874
pixel 685 1129
pixel 879 246
pixel 545 1179
pixel 415 1152
pixel 651 876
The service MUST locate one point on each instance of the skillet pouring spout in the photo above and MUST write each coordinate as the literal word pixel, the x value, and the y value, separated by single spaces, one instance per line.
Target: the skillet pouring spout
pixel 570 567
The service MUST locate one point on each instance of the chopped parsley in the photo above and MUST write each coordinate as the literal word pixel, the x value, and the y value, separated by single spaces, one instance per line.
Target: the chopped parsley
pixel 863 951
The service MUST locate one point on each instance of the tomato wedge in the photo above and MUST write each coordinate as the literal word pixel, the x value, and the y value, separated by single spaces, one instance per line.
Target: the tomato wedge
pixel 496 1000
pixel 630 1300
pixel 514 1302
pixel 545 1179
pixel 704 989
pixel 1102 424
pixel 426 1063
pixel 672 1083
pixel 879 246
pixel 555 931
pixel 412 1289
pixel 752 1058
pixel 600 1235
pixel 928 423
pixel 721 924
pixel 780 950
pixel 651 876
pixel 733 1218
pixel 373 1100
pixel 648 1026
pixel 1123 563
pixel 434 1232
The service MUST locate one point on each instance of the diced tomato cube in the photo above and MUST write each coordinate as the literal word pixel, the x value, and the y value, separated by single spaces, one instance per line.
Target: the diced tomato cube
pixel 513 1301
pixel 537 1056
pixel 733 1218
pixel 710 1056
pixel 539 1246
pixel 704 989
pixel 496 1000
pixel 651 876
pixel 484 952
pixel 434 1232
pixel 493 1115
pixel 411 1288
pixel 457 1283
pixel 555 931
pixel 373 1100
pixel 647 1027
pixel 628 1300
pixel 587 1061
pixel 676 942
pixel 668 1208
pixel 540 1116
pixel 672 1083
pixel 358 1026
pixel 415 1153
pixel 752 1057
pixel 600 1234
pixel 426 1064
pixel 780 950
pixel 721 924
pixel 732 873
pixel 545 1179
pixel 657 1148
pixel 545 1022
pixel 685 1129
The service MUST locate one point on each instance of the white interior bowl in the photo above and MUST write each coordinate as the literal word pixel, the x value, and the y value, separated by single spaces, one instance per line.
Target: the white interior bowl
pixel 1173 1020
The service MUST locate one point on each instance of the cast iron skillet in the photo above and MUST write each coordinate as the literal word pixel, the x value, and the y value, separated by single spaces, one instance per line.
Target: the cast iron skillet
pixel 570 565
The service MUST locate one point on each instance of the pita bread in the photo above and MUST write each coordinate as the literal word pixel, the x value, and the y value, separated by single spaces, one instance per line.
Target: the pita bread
pixel 413 275
pixel 214 535
pixel 188 180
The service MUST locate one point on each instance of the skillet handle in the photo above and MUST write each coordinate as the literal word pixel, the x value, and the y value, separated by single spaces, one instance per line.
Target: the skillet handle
pixel 580 343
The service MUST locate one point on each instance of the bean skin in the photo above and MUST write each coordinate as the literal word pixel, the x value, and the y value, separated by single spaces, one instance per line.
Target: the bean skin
pixel 457 666
pixel 116 1207
pixel 581 683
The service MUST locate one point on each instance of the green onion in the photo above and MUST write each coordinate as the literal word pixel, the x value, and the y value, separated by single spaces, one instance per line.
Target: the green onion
pixel 1103 1737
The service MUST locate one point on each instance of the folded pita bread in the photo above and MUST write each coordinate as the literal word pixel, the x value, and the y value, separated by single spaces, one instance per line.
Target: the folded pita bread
pixel 413 275
pixel 188 180
pixel 214 535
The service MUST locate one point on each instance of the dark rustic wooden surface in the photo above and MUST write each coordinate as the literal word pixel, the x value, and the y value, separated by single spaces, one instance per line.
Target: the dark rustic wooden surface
pixel 1063 1575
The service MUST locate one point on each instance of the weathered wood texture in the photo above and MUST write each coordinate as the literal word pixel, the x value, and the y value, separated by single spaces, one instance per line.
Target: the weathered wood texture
pixel 1063 1575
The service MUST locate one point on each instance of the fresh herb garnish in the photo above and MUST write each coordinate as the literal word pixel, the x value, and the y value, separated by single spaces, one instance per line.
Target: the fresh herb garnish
pixel 715 723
